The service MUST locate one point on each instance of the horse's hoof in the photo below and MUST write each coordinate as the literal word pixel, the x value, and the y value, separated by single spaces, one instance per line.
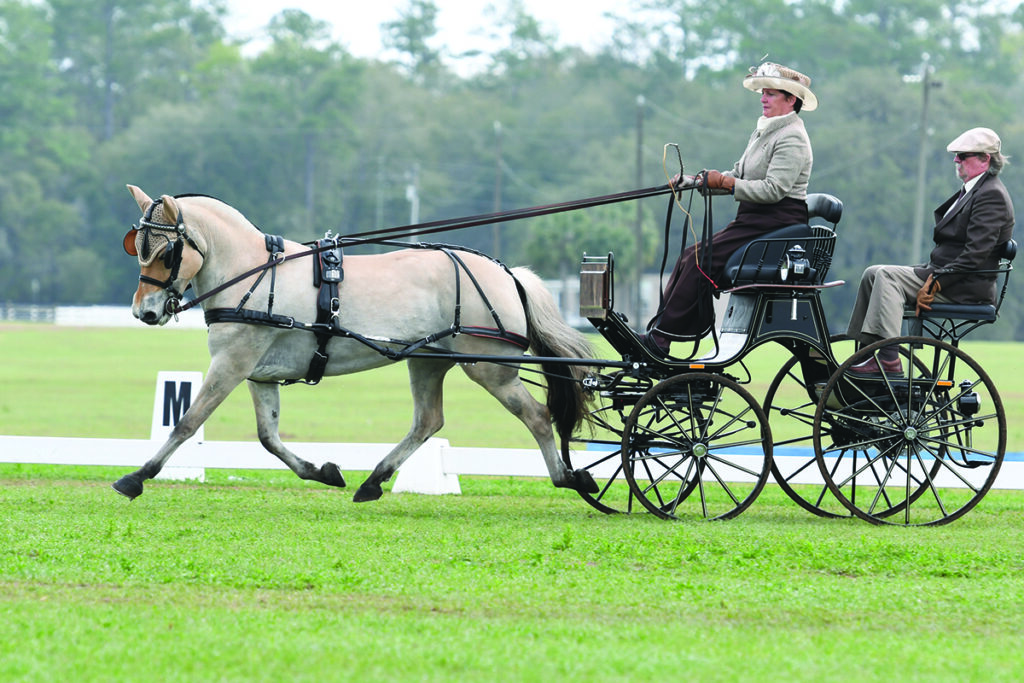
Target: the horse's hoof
pixel 368 492
pixel 129 485
pixel 583 482
pixel 331 475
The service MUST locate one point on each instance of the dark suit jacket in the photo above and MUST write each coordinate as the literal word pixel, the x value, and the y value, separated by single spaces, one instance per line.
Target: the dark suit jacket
pixel 970 238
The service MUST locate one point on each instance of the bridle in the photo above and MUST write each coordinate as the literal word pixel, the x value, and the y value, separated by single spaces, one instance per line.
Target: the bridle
pixel 176 236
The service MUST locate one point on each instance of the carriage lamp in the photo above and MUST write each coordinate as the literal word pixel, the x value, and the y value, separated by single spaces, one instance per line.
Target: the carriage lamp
pixel 794 263
pixel 969 402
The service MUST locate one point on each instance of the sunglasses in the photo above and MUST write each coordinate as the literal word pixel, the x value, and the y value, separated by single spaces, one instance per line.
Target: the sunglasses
pixel 963 156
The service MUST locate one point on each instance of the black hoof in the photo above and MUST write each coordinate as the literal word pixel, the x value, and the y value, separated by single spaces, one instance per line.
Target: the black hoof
pixel 129 485
pixel 583 482
pixel 331 475
pixel 368 492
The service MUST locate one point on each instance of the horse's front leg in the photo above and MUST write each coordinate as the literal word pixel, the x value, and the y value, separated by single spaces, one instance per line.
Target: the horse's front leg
pixel 266 399
pixel 218 384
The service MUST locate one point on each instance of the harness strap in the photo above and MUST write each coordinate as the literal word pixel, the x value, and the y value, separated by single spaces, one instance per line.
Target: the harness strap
pixel 513 338
pixel 232 315
pixel 457 260
pixel 275 245
pixel 327 274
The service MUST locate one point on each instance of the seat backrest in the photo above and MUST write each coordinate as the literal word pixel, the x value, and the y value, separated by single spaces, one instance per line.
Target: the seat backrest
pixel 1008 252
pixel 821 205
pixel 758 262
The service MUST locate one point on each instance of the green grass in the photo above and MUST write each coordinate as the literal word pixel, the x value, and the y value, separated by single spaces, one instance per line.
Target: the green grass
pixel 258 576
pixel 61 381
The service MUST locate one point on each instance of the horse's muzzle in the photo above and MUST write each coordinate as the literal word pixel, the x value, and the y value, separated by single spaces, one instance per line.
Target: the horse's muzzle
pixel 150 317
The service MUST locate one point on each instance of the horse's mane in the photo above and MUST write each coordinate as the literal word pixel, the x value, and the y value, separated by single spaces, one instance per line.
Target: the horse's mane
pixel 218 207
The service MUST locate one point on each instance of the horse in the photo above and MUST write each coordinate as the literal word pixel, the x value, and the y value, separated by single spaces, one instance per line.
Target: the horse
pixel 384 303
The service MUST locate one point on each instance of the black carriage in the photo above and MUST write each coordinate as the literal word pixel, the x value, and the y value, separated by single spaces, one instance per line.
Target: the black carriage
pixel 685 438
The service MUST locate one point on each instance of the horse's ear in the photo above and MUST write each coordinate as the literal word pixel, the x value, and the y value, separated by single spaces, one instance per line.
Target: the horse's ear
pixel 171 210
pixel 141 198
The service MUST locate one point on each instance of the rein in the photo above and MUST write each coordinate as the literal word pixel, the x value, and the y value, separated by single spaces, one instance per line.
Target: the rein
pixel 416 229
pixel 444 225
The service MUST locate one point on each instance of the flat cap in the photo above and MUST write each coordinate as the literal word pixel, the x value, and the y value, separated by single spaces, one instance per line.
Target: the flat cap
pixel 982 140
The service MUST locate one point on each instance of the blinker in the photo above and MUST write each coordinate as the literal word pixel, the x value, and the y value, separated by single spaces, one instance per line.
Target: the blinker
pixel 129 241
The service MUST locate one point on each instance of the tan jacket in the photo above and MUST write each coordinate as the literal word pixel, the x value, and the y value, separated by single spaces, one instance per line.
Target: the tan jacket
pixel 776 164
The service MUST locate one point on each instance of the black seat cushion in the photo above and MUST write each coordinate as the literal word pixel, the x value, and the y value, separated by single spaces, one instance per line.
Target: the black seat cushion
pixel 758 262
pixel 959 311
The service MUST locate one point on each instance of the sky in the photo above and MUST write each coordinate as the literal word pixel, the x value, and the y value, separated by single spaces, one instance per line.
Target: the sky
pixel 357 23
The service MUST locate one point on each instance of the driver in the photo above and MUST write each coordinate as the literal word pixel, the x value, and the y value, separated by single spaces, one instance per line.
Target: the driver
pixel 770 183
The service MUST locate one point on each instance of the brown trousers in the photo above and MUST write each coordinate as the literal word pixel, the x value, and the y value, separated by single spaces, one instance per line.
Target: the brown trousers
pixel 687 309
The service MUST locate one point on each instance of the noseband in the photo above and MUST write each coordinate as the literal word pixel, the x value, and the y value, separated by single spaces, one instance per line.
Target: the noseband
pixel 176 237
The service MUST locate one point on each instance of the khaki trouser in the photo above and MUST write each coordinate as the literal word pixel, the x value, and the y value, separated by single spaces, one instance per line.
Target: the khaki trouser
pixel 885 291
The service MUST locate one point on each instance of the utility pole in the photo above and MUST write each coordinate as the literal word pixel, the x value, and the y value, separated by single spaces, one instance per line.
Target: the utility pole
pixel 925 79
pixel 639 229
pixel 412 195
pixel 378 219
pixel 496 229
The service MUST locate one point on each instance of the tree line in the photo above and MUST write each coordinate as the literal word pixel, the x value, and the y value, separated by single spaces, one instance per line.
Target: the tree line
pixel 304 137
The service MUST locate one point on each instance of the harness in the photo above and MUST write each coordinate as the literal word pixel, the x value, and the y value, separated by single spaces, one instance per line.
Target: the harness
pixel 328 274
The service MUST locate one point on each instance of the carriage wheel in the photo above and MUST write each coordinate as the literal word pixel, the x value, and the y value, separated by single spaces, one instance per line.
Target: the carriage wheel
pixel 931 440
pixel 596 447
pixel 697 445
pixel 790 405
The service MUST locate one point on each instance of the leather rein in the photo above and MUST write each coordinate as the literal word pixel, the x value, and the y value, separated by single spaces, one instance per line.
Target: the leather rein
pixel 385 237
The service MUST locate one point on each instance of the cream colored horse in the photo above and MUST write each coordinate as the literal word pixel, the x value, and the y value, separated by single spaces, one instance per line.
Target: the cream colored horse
pixel 394 299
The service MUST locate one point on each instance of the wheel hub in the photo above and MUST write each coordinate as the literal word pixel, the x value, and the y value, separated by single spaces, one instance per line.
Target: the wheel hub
pixel 699 450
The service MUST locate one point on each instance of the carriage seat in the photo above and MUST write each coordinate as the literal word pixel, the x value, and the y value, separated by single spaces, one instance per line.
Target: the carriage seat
pixel 953 321
pixel 758 262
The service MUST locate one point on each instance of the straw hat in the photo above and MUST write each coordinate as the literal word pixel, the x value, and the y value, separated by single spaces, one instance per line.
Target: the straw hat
pixel 777 77
pixel 980 140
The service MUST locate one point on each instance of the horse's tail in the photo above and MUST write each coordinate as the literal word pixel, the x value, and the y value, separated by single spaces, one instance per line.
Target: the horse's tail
pixel 550 335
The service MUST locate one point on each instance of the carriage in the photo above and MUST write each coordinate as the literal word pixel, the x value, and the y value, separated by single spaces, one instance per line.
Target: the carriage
pixel 684 437
pixel 680 437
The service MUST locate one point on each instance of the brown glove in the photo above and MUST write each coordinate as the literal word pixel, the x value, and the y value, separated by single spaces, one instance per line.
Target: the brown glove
pixel 720 181
pixel 926 295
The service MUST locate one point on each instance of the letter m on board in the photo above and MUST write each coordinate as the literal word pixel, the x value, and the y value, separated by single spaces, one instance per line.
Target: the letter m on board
pixel 177 399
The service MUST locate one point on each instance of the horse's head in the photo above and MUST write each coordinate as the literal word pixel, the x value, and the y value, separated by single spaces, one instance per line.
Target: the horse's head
pixel 170 254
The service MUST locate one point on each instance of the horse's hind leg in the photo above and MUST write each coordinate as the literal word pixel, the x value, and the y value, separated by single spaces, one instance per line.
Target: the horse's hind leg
pixel 266 399
pixel 426 378
pixel 504 384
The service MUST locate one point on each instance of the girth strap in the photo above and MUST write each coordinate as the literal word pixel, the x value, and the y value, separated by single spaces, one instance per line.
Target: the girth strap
pixel 327 274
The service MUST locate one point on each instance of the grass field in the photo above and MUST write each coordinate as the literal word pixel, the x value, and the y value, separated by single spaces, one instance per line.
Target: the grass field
pixel 260 576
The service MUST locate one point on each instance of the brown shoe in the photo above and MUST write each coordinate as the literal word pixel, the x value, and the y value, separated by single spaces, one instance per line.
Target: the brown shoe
pixel 869 368
pixel 652 344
